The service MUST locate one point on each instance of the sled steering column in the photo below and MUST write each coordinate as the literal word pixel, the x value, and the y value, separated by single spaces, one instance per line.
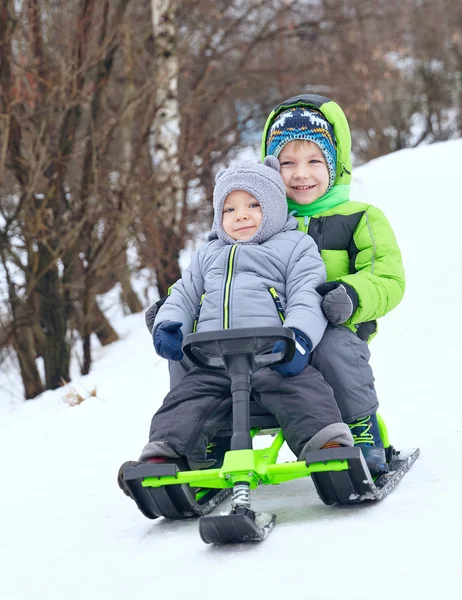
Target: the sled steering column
pixel 239 352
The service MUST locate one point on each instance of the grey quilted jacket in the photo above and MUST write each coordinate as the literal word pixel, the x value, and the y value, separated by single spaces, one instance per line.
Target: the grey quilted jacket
pixel 246 285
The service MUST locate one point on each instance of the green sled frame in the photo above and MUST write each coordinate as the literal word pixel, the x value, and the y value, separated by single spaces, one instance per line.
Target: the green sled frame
pixel 340 475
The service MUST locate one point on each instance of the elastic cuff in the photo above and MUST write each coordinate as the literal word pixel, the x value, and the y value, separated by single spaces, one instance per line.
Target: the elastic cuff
pixel 158 449
pixel 350 290
pixel 327 286
pixel 305 338
pixel 337 432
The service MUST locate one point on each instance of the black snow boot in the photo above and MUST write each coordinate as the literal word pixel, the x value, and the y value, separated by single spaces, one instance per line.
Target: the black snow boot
pixel 366 435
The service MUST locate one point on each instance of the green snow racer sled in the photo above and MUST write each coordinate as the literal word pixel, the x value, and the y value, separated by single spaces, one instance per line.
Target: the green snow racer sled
pixel 340 475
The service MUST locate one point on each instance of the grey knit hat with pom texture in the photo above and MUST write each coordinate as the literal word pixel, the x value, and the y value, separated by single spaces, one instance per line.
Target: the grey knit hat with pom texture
pixel 266 185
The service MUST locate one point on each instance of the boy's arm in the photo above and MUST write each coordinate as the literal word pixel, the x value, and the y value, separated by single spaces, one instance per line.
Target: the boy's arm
pixel 305 271
pixel 379 281
pixel 183 302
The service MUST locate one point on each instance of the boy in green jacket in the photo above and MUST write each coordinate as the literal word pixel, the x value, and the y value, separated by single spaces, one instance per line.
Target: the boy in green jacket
pixel 309 134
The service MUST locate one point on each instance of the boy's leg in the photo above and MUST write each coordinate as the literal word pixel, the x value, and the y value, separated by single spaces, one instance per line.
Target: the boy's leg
pixel 305 407
pixel 343 360
pixel 190 415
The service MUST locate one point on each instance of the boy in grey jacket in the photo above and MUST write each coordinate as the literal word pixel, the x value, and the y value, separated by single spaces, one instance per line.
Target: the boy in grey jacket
pixel 257 269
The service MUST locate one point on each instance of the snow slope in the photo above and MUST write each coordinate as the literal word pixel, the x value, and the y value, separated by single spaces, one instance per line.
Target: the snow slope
pixel 67 532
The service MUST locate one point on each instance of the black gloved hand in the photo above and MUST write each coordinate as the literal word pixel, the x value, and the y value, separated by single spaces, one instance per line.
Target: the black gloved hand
pixel 151 313
pixel 340 301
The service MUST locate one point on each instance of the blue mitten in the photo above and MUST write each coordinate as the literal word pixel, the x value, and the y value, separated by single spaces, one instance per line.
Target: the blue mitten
pixel 167 340
pixel 300 359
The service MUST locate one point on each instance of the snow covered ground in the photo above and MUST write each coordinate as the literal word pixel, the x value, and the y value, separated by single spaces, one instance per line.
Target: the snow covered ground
pixel 67 532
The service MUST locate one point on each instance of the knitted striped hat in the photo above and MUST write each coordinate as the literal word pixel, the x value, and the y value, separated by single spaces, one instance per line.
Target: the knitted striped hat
pixel 301 123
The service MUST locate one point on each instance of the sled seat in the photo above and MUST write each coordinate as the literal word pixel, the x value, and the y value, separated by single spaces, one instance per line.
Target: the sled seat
pixel 259 418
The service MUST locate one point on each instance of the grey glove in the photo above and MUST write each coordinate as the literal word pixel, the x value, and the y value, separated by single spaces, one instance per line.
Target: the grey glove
pixel 340 301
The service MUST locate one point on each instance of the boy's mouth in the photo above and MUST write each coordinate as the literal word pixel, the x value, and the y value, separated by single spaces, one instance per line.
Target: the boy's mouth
pixel 246 227
pixel 303 188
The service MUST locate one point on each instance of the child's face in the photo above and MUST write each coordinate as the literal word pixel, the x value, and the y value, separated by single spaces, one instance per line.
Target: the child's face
pixel 304 170
pixel 242 215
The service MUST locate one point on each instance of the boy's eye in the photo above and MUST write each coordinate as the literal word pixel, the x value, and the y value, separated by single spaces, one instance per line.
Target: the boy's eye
pixel 315 160
pixel 286 162
pixel 254 205
pixel 228 210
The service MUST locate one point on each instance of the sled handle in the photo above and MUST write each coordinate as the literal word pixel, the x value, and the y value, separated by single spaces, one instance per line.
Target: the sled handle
pixel 214 350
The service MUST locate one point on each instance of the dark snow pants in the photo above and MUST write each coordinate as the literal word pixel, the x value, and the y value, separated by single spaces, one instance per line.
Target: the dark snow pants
pixel 195 409
pixel 343 360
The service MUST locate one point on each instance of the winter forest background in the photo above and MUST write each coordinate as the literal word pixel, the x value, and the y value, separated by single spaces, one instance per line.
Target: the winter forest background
pixel 115 116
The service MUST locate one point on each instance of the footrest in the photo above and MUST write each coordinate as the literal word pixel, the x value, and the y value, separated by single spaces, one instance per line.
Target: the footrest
pixel 151 470
pixel 341 486
pixel 355 485
pixel 236 527
pixel 172 501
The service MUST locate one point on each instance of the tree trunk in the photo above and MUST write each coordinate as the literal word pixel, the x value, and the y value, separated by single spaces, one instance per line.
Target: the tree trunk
pixel 167 269
pixel 168 225
pixel 86 349
pixel 57 354
pixel 162 252
pixel 101 327
pixel 128 296
pixel 23 339
pixel 23 344
pixel 94 321
pixel 54 323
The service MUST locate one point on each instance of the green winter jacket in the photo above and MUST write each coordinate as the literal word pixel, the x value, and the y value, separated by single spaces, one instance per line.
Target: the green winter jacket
pixel 355 239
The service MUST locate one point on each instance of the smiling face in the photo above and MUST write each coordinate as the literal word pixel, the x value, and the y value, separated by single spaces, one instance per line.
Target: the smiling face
pixel 242 215
pixel 304 170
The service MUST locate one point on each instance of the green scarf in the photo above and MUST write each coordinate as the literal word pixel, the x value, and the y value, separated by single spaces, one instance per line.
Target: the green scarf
pixel 337 195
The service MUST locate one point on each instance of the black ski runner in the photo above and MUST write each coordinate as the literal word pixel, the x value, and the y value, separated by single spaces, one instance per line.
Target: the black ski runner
pixel 239 526
pixel 399 466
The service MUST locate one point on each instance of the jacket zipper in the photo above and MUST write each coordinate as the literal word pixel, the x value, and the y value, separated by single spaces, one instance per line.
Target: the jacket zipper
pixel 320 229
pixel 317 230
pixel 229 276
pixel 278 303
pixel 198 314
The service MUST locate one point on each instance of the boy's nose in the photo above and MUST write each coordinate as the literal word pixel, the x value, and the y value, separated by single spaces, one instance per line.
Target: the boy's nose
pixel 301 173
pixel 241 216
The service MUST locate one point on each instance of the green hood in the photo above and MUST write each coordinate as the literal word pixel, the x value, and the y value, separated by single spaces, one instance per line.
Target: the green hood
pixel 335 115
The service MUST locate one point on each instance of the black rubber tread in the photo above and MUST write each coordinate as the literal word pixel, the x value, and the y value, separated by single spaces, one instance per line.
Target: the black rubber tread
pixel 170 501
pixel 178 501
pixel 133 489
pixel 355 485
